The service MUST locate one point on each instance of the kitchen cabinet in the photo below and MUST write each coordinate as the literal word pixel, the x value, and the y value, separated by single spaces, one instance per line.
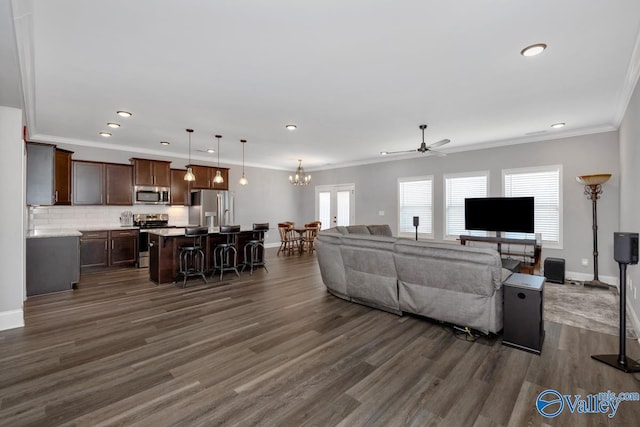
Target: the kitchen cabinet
pixel 123 248
pixel 40 174
pixel 94 250
pixel 88 183
pixel 180 189
pixel 151 172
pixel 205 175
pixel 108 248
pixel 118 184
pixel 63 177
pixel 52 264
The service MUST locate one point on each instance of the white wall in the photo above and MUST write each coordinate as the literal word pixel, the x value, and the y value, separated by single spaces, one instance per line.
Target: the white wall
pixel 376 190
pixel 630 193
pixel 12 212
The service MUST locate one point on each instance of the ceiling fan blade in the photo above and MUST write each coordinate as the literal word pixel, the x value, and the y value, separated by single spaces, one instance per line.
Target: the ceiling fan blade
pixel 436 153
pixel 386 153
pixel 439 143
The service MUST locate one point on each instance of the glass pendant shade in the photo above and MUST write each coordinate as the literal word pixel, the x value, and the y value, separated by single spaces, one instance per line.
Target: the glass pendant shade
pixel 300 177
pixel 243 178
pixel 189 176
pixel 218 179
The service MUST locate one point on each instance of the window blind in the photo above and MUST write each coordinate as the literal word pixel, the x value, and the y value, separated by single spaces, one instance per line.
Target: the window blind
pixel 458 188
pixel 416 199
pixel 544 185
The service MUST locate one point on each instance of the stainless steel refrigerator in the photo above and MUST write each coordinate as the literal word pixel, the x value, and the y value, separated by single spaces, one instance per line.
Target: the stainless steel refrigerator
pixel 211 208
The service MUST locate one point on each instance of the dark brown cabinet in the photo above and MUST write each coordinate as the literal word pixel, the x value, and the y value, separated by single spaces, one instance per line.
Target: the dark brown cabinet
pixel 118 184
pixel 88 183
pixel 123 248
pixel 94 250
pixel 205 175
pixel 180 189
pixel 97 183
pixel 63 177
pixel 151 172
pixel 103 249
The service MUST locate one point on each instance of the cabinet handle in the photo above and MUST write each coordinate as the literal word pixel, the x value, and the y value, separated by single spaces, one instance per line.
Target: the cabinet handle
pixel 112 244
pixel 105 245
pixel 56 196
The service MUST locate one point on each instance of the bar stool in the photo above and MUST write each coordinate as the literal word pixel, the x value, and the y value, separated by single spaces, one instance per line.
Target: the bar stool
pixel 251 248
pixel 225 255
pixel 191 258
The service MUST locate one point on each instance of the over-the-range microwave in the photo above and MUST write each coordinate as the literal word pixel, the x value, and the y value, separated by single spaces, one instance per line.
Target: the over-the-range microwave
pixel 143 195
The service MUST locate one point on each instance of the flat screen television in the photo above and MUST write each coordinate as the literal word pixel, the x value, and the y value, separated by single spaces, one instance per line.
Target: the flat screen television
pixel 509 214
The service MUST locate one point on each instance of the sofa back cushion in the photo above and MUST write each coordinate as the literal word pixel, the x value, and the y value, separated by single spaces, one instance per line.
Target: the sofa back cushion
pixel 447 266
pixel 380 230
pixel 370 270
pixel 357 229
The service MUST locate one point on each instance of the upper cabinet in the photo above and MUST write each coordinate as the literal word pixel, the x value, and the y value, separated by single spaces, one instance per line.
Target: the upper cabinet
pixel 205 175
pixel 63 177
pixel 40 174
pixel 180 189
pixel 97 183
pixel 118 183
pixel 151 172
pixel 88 183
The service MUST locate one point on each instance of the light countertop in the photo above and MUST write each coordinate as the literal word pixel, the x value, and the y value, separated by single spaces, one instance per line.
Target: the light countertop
pixel 72 232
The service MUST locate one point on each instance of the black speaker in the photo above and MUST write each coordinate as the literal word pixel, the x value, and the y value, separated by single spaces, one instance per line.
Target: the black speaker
pixel 554 270
pixel 625 248
pixel 416 221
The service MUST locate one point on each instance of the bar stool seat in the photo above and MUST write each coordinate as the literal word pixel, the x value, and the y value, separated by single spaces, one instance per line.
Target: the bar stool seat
pixel 251 248
pixel 225 255
pixel 191 257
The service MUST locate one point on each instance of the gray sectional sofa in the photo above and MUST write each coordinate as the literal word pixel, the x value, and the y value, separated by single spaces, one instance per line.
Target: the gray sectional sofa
pixel 451 283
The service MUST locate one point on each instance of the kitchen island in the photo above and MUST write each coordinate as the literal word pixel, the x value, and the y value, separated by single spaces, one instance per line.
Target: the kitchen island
pixel 164 251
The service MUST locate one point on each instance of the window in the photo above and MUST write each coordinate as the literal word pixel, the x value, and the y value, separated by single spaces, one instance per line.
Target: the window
pixel 458 187
pixel 415 198
pixel 544 184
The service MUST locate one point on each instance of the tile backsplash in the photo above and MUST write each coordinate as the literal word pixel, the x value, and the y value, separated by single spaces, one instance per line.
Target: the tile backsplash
pixel 49 217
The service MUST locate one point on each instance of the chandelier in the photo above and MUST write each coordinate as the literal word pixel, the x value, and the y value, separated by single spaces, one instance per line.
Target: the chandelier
pixel 300 177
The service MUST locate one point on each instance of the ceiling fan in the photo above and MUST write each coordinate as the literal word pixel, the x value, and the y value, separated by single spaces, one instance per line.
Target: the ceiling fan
pixel 424 148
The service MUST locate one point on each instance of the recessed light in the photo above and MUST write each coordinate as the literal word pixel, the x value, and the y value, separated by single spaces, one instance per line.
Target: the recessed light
pixel 105 134
pixel 124 113
pixel 384 153
pixel 113 125
pixel 164 142
pixel 557 125
pixel 291 127
pixel 533 50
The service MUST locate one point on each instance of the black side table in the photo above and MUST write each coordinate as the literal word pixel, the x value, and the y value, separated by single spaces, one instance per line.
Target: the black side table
pixel 523 312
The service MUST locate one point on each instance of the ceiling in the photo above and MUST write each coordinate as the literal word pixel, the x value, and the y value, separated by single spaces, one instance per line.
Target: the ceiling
pixel 356 77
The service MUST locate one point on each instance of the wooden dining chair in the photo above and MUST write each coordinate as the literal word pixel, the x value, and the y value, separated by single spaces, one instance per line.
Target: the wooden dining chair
pixel 310 233
pixel 288 242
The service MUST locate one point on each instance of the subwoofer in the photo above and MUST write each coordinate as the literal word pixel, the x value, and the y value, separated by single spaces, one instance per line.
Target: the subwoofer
pixel 554 270
pixel 625 248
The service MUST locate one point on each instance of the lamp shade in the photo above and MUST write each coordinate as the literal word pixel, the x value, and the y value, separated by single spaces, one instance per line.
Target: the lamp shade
pixel 597 179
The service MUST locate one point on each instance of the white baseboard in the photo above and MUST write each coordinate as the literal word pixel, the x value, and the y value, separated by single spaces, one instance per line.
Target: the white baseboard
pixel 11 319
pixel 581 277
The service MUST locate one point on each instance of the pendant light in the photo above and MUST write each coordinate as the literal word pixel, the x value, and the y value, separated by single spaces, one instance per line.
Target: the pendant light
pixel 243 179
pixel 189 176
pixel 300 177
pixel 218 179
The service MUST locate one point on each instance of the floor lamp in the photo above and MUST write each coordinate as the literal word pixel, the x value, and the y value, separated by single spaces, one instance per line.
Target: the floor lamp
pixel 593 189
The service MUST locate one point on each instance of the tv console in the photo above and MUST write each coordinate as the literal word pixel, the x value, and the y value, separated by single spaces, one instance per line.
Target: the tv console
pixel 529 260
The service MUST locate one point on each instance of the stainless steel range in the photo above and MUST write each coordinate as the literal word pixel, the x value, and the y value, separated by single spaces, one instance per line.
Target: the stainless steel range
pixel 146 222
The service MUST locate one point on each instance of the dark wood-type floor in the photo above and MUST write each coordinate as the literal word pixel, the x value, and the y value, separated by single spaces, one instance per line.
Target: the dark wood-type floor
pixel 276 349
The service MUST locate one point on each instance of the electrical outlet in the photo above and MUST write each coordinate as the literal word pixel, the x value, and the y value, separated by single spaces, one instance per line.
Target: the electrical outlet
pixel 585 262
pixel 381 213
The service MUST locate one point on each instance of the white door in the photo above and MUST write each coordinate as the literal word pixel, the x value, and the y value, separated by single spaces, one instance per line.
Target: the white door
pixel 335 205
